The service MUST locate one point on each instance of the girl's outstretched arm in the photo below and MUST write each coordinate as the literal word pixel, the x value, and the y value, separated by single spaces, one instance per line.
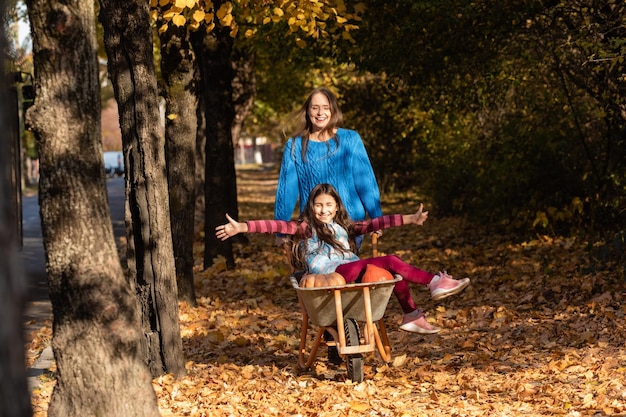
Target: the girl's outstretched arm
pixel 230 229
pixel 418 217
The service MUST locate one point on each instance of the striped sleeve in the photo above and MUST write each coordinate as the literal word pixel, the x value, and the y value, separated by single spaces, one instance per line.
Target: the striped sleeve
pixel 274 226
pixel 378 223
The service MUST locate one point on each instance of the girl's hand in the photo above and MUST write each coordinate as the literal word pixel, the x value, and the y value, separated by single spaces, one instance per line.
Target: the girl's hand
pixel 418 218
pixel 230 229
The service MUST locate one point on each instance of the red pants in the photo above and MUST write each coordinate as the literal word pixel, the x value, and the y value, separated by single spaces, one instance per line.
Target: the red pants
pixel 392 263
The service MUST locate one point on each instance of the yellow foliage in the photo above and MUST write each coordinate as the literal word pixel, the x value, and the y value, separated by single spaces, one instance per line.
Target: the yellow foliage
pixel 227 20
pixel 198 16
pixel 179 20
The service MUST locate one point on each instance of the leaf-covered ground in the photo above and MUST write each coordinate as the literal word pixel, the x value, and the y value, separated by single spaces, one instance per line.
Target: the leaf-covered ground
pixel 540 331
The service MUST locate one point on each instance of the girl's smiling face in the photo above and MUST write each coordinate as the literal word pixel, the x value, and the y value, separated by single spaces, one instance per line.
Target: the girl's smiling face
pixel 319 111
pixel 325 208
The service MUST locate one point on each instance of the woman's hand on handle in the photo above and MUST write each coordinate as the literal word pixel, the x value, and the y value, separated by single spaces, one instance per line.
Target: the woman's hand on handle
pixel 230 229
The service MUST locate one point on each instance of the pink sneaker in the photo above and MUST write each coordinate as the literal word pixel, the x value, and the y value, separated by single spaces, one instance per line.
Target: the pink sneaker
pixel 415 322
pixel 443 285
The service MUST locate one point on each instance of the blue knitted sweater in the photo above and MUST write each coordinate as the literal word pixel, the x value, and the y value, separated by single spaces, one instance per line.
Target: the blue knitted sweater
pixel 346 167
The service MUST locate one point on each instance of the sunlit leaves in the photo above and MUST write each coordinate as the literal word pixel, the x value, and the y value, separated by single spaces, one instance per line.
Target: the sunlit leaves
pixel 520 341
pixel 308 19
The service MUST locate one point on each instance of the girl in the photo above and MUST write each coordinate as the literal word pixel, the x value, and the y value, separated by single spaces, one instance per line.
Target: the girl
pixel 325 243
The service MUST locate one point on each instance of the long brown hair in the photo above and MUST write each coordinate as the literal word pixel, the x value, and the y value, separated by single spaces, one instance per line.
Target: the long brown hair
pixel 306 128
pixel 324 233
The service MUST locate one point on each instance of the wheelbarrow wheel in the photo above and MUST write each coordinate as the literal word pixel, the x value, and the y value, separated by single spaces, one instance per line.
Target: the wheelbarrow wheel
pixel 354 362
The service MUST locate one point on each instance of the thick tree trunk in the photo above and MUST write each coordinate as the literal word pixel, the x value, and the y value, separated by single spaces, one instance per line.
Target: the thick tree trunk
pixel 96 334
pixel 128 43
pixel 214 52
pixel 178 72
pixel 14 395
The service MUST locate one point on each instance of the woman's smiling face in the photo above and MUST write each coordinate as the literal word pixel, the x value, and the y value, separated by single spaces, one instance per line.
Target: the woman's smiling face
pixel 319 111
pixel 325 208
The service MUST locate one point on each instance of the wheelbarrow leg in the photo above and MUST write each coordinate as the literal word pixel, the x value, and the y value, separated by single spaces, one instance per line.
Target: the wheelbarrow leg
pixel 305 362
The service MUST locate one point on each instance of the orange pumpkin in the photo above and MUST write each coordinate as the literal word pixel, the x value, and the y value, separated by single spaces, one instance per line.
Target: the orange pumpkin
pixel 335 279
pixel 375 273
pixel 322 280
pixel 308 281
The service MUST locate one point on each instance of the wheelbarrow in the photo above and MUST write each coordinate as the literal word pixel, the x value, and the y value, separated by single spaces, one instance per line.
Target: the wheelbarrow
pixel 337 311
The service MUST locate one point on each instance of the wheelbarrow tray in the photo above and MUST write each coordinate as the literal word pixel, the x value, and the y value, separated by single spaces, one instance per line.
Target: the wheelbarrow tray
pixel 319 302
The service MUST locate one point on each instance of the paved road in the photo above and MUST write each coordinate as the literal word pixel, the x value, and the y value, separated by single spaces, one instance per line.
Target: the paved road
pixel 39 308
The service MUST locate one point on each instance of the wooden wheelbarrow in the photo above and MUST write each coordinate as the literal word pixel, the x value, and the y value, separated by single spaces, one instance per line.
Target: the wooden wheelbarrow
pixel 338 310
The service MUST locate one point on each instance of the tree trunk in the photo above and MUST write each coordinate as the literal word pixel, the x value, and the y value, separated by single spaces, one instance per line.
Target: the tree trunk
pixel 244 89
pixel 96 334
pixel 14 395
pixel 178 72
pixel 200 154
pixel 128 43
pixel 214 52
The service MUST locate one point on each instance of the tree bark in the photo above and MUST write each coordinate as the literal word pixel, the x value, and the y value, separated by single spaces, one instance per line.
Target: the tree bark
pixel 128 43
pixel 96 334
pixel 214 52
pixel 14 395
pixel 180 91
pixel 244 89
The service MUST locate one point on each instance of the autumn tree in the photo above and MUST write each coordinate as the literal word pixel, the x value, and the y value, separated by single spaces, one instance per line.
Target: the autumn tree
pixel 129 47
pixel 180 80
pixel 217 27
pixel 14 395
pixel 96 329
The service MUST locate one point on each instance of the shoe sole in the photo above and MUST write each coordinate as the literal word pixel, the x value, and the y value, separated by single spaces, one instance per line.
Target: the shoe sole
pixel 454 291
pixel 421 331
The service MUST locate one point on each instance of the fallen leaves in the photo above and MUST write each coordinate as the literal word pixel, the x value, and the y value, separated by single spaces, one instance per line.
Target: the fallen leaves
pixel 539 332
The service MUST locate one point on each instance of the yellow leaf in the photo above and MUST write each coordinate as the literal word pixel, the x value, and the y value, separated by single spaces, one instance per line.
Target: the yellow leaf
pixel 226 20
pixel 180 3
pixel 300 43
pixel 169 15
pixel 179 20
pixel 278 11
pixel 266 20
pixel 341 20
pixel 399 360
pixel 198 15
pixel 359 406
pixel 191 4
pixel 163 28
pixel 249 33
pixel 164 2
pixel 172 116
pixel 225 9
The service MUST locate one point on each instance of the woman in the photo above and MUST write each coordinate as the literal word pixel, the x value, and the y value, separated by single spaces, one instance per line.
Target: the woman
pixel 324 244
pixel 323 152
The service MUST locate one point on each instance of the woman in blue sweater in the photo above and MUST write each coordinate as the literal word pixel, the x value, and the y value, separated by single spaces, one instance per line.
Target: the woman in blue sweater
pixel 323 152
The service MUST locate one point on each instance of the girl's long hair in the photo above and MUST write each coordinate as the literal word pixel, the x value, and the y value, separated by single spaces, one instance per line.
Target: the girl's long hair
pixel 306 128
pixel 324 233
